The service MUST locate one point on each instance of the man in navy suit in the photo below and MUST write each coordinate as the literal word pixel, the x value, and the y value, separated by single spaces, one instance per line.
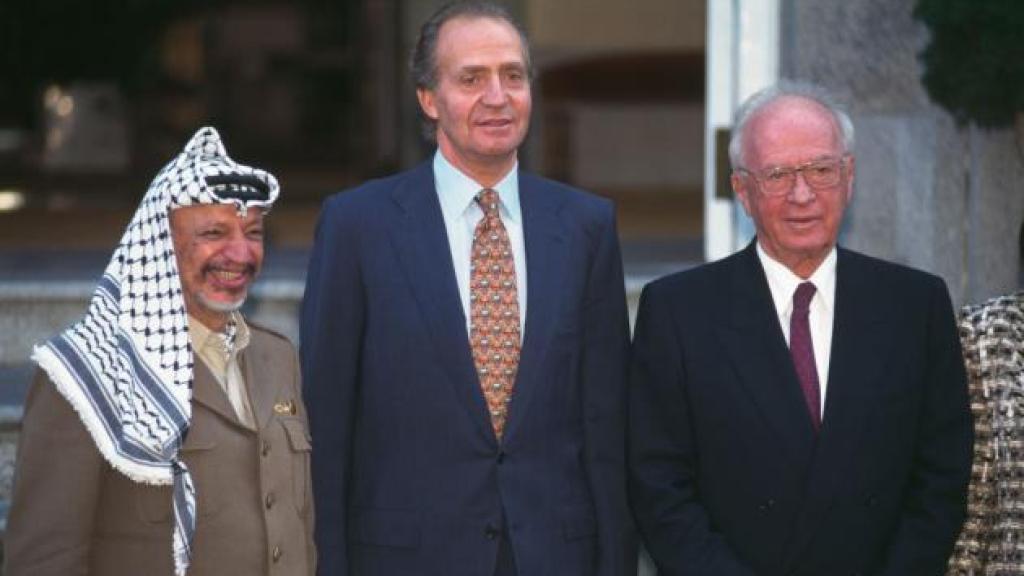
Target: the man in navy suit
pixel 464 344
pixel 797 408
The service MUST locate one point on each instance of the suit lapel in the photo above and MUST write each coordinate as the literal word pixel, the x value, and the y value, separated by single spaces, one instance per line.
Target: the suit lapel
pixel 858 335
pixel 545 257
pixel 757 348
pixel 421 241
pixel 263 380
pixel 206 391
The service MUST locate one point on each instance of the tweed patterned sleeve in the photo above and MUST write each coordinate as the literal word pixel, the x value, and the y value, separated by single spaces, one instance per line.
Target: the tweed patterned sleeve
pixel 992 539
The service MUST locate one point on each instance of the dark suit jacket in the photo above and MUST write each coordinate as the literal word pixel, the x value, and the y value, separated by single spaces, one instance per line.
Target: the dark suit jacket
pixel 728 477
pixel 73 514
pixel 408 475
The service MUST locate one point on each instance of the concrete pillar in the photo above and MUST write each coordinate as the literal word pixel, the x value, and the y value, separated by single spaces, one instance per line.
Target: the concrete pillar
pixel 928 193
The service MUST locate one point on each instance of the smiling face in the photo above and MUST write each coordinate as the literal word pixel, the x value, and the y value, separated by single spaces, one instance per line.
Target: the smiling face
pixel 219 254
pixel 481 103
pixel 798 228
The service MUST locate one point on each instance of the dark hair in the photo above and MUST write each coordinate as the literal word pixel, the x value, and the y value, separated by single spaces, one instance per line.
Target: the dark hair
pixel 423 62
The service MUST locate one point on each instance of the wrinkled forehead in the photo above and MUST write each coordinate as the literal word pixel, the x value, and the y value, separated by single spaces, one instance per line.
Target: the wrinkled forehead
pixel 190 218
pixel 218 210
pixel 792 126
pixel 468 38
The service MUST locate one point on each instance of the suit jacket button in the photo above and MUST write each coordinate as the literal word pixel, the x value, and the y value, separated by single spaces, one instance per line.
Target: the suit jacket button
pixel 277 553
pixel 491 532
pixel 871 501
pixel 266 447
pixel 501 457
pixel 269 500
pixel 766 505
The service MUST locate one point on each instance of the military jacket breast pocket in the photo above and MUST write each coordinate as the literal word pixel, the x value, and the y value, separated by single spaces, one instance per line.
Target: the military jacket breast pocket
pixel 299 448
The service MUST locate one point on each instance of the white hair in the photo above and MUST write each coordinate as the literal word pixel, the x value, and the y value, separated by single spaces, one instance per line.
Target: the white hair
pixel 786 89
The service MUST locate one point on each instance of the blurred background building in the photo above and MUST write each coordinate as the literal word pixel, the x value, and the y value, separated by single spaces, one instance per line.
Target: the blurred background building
pixel 97 97
pixel 633 100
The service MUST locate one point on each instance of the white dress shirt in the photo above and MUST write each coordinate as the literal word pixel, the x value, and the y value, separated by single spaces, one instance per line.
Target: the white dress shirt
pixel 457 193
pixel 783 282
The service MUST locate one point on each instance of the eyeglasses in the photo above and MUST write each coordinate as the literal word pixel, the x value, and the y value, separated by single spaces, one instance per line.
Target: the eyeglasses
pixel 819 174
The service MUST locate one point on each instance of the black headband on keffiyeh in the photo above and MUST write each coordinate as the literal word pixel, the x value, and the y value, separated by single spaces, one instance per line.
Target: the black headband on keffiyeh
pixel 126 367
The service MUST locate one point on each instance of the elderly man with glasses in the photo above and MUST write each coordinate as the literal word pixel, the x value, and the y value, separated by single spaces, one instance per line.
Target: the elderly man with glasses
pixel 797 408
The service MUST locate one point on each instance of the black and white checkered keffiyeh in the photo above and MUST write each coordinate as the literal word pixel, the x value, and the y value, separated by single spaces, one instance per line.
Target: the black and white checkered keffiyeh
pixel 126 367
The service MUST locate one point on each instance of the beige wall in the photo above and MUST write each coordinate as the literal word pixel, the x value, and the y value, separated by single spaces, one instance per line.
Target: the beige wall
pixel 638 148
pixel 617 24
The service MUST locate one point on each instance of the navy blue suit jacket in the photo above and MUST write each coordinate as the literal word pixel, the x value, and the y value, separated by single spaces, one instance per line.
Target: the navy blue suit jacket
pixel 727 475
pixel 408 475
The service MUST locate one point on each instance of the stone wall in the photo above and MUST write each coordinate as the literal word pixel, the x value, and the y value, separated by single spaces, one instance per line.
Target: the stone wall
pixel 928 193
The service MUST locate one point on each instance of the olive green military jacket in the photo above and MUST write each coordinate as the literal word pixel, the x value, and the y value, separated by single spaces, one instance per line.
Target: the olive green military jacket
pixel 73 514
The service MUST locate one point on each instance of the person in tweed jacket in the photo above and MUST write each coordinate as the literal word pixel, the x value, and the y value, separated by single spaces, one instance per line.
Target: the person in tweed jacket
pixel 992 540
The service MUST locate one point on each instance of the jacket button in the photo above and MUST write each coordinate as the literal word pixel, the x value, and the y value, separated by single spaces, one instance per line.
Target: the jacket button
pixel 266 447
pixel 276 554
pixel 269 500
pixel 871 501
pixel 491 532
pixel 501 457
pixel 766 505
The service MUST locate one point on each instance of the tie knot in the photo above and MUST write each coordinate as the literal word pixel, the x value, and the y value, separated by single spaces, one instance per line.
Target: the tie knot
pixel 802 297
pixel 488 201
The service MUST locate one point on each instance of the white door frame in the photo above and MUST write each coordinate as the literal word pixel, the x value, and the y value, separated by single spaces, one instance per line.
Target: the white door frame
pixel 742 57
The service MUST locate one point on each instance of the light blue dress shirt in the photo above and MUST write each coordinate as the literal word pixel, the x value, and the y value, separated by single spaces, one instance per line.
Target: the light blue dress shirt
pixel 457 193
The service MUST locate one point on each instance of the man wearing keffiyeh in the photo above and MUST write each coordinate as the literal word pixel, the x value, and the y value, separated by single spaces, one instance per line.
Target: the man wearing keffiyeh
pixel 164 434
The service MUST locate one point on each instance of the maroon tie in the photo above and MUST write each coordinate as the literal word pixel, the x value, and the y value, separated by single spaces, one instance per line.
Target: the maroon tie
pixel 802 351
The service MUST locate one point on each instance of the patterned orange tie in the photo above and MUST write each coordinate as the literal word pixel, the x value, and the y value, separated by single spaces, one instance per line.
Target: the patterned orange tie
pixel 494 310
